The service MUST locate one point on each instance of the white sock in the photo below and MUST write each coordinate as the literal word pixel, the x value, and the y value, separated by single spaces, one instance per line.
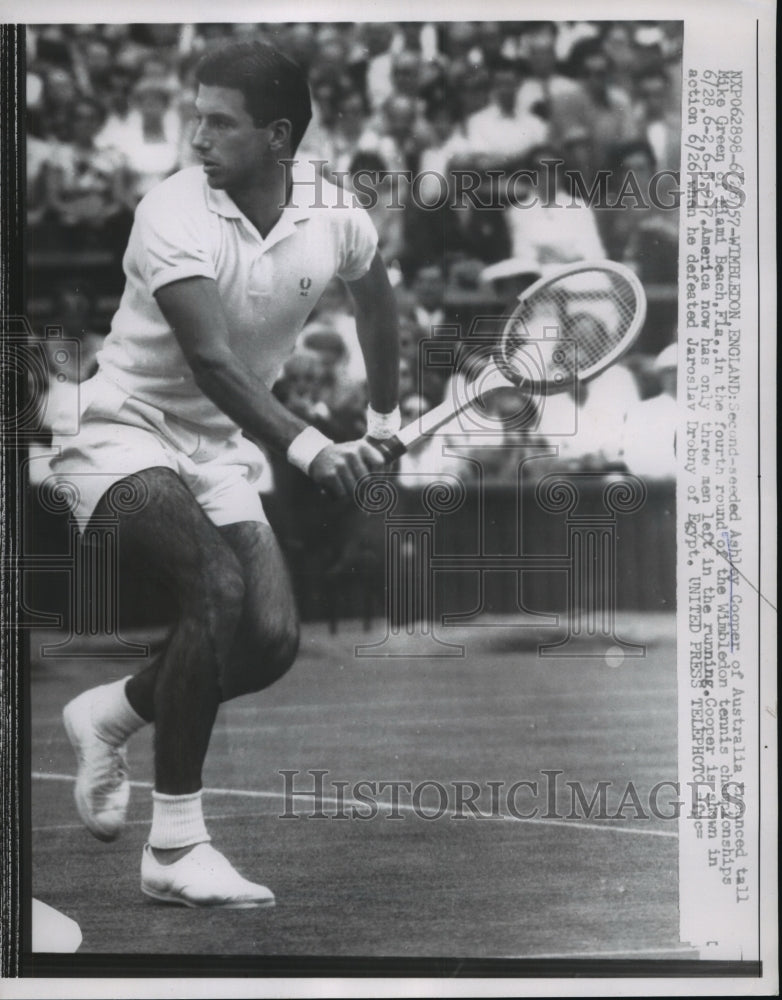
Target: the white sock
pixel 114 717
pixel 177 821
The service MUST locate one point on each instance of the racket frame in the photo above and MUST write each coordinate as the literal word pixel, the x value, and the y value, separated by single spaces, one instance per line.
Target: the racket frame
pixel 623 345
pixel 494 377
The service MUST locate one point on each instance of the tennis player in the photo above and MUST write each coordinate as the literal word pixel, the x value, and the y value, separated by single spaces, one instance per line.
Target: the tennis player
pixel 224 264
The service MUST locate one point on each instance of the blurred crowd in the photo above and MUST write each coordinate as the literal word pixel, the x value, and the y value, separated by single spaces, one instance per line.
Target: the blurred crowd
pixel 110 113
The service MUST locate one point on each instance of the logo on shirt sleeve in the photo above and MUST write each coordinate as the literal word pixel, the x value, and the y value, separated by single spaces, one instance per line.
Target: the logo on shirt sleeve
pixel 305 284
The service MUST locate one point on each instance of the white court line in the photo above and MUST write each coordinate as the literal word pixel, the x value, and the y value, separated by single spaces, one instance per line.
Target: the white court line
pixel 57 827
pixel 401 807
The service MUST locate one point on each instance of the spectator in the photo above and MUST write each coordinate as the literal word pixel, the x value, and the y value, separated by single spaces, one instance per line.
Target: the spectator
pixel 642 232
pixel 657 123
pixel 499 454
pixel 621 51
pixel 158 67
pixel 406 74
pixel 586 423
pixel 371 173
pixel 408 382
pixel 605 111
pixel 115 98
pixel 491 41
pixel 352 133
pixel 415 376
pixel 542 82
pixel 300 44
pixel 338 390
pixel 429 292
pixel 461 37
pixel 327 344
pixel 498 135
pixel 87 189
pixel 149 139
pixel 670 63
pixel 649 448
pixel 319 141
pixel 348 418
pixel 300 387
pixel 446 142
pixel 428 216
pixel 402 133
pixel 59 97
pixel 184 108
pixel 473 81
pixel 92 62
pixel 47 43
pixel 577 151
pixel 395 144
pixel 60 90
pixel 334 310
pixel 377 38
pixel 410 336
pixel 37 154
pixel 475 231
pixel 552 231
pixel 408 37
pixel 161 36
pixel 331 60
pixel 651 44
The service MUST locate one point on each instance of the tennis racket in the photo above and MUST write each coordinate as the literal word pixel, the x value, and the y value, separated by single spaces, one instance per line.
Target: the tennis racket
pixel 567 328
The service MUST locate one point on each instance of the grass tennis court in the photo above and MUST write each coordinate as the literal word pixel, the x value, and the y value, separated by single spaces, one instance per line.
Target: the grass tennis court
pixel 411 886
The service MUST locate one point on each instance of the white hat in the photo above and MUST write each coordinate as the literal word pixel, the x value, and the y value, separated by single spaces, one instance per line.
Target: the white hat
pixel 666 359
pixel 512 268
pixel 649 35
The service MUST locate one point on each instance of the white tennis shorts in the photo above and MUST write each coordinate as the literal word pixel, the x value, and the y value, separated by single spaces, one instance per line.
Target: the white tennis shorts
pixel 120 435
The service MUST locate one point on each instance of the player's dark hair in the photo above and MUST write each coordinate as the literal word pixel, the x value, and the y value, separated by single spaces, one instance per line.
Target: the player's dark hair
pixel 273 86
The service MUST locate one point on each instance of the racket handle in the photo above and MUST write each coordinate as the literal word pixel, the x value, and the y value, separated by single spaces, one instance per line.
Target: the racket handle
pixel 391 448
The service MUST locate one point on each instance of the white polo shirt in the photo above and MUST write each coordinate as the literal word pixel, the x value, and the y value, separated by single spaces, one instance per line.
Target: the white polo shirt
pixel 268 287
pixel 492 133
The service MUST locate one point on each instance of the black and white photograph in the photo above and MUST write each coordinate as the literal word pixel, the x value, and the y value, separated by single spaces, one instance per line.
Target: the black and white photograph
pixel 385 553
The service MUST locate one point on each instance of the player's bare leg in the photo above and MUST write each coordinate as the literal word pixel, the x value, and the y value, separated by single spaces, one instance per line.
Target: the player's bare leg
pixel 267 636
pixel 173 536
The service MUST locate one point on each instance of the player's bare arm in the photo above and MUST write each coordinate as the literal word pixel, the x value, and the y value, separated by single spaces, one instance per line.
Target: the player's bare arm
pixel 193 309
pixel 377 326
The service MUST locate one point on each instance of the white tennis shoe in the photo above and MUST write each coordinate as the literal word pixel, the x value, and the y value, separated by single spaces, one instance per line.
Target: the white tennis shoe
pixel 102 788
pixel 203 877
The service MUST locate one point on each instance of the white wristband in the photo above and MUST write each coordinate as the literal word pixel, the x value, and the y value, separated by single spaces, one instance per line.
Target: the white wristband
pixel 305 447
pixel 382 426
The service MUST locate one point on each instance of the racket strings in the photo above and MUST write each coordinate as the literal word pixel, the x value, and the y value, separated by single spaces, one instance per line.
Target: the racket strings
pixel 570 326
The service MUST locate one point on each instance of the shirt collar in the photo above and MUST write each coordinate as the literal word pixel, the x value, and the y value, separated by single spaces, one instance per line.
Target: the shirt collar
pixel 303 194
pixel 221 203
